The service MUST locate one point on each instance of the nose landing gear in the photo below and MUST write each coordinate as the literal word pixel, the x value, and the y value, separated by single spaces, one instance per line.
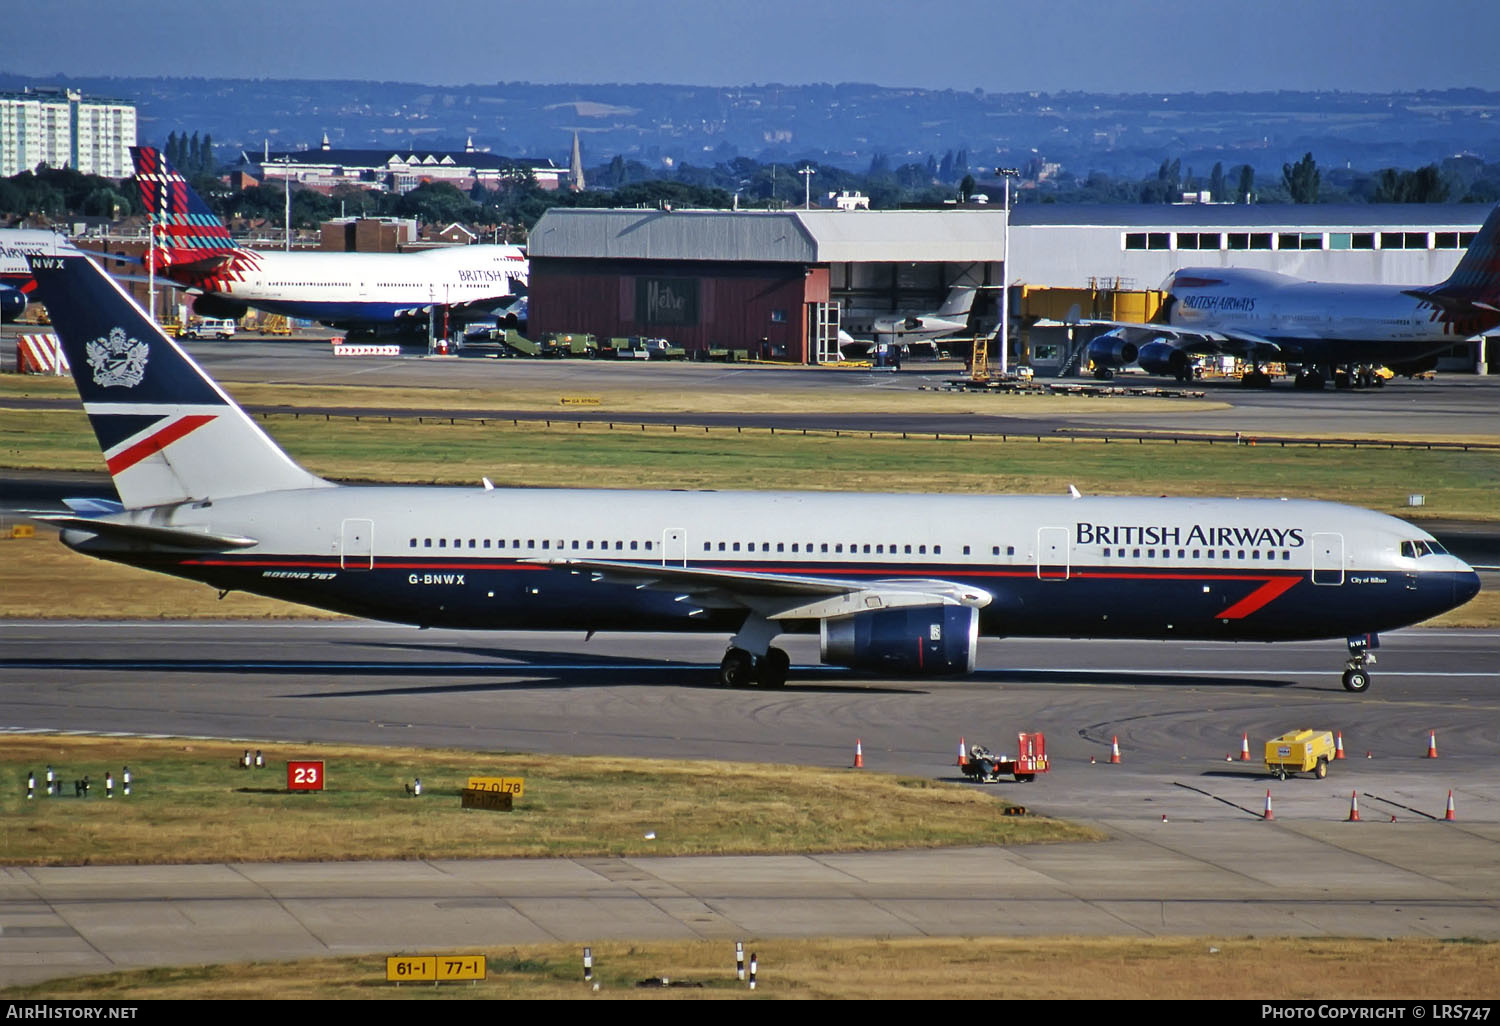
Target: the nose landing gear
pixel 1356 675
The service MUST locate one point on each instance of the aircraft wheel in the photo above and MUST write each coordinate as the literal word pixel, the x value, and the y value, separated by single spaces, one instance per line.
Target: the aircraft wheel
pixel 735 670
pixel 772 668
pixel 1356 680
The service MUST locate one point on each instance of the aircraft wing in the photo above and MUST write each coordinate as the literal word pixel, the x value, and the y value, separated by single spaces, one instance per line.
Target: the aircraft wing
pixel 779 596
pixel 1215 343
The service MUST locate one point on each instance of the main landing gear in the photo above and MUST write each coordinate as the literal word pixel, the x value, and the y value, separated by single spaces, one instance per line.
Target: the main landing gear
pixel 1356 676
pixel 742 666
pixel 741 669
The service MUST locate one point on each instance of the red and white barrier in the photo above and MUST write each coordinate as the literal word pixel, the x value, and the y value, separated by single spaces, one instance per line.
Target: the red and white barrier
pixel 40 354
pixel 345 349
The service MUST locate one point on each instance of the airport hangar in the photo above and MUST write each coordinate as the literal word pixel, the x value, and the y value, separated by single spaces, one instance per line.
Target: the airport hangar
pixel 780 284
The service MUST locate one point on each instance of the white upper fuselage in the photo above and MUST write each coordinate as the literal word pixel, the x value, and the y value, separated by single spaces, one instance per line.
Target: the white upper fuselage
pixel 373 287
pixel 1276 306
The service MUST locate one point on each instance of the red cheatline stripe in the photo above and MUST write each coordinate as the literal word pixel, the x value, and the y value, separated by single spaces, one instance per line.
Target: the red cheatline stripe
pixel 1261 596
pixel 122 461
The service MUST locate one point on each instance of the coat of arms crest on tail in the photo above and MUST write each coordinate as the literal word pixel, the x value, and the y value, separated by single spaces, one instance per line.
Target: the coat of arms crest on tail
pixel 117 360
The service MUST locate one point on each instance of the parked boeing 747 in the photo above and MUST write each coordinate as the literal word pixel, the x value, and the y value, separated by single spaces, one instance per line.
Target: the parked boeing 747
pixel 893 584
pixel 345 290
pixel 1338 332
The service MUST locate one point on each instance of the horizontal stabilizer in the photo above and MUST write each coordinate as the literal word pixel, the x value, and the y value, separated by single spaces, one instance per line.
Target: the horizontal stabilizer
pixel 176 537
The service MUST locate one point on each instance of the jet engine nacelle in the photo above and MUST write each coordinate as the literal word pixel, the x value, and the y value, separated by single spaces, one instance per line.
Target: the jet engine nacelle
pixel 927 640
pixel 219 307
pixel 1162 358
pixel 1112 350
pixel 12 303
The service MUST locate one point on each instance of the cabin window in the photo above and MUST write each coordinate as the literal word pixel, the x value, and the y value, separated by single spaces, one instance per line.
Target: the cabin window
pixel 708 546
pixel 839 547
pixel 922 549
pixel 486 543
pixel 515 543
pixel 413 543
pixel 780 547
pixel 1150 553
pixel 633 545
pixel 994 551
pixel 825 546
pixel 879 549
pixel 471 543
pixel 1240 555
pixel 736 546
pixel 1010 550
pixel 442 543
pixel 794 546
pixel 867 548
pixel 619 545
pixel 588 544
pixel 937 550
pixel 648 546
pixel 966 550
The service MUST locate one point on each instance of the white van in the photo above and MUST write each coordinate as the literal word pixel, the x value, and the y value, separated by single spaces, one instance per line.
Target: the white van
pixel 210 327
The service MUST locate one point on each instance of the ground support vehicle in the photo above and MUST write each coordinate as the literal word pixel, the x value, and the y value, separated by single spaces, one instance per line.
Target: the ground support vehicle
pixel 1030 759
pixel 1300 751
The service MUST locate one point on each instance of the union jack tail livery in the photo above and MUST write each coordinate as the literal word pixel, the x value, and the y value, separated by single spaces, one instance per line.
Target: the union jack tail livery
pixel 188 233
pixel 169 433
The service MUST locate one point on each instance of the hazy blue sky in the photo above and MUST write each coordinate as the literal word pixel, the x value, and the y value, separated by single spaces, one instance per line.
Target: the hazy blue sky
pixel 995 45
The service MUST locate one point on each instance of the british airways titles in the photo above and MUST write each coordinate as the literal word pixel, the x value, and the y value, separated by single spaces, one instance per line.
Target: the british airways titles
pixel 1198 534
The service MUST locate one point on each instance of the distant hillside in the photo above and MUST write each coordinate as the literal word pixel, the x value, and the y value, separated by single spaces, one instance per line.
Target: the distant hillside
pixel 848 125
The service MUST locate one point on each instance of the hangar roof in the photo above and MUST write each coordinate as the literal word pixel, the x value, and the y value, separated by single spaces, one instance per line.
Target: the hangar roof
pixel 793 236
pixel 1286 216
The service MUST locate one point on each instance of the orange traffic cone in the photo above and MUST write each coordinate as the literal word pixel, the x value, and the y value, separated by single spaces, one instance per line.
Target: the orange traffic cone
pixel 1449 814
pixel 1353 807
pixel 963 754
pixel 859 754
pixel 1432 745
pixel 1244 748
pixel 1268 813
pixel 1338 745
pixel 1114 748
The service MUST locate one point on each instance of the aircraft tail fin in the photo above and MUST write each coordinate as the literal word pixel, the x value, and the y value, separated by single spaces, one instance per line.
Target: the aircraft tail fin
pixel 1473 289
pixel 187 231
pixel 959 302
pixel 168 432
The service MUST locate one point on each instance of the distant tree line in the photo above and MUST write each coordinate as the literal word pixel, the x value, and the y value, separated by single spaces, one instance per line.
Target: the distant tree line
pixel 509 212
pixel 190 156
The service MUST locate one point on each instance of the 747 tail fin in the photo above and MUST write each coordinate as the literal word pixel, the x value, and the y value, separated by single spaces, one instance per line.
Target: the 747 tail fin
pixel 188 233
pixel 168 432
pixel 1472 291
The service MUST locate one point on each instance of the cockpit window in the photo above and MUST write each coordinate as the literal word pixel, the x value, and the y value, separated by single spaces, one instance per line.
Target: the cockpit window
pixel 1422 547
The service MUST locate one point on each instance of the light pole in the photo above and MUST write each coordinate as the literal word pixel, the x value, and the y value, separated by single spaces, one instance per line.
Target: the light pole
pixel 807 173
pixel 1006 174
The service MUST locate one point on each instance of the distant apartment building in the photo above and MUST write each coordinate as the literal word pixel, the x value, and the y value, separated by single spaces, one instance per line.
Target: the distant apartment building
pixel 62 128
